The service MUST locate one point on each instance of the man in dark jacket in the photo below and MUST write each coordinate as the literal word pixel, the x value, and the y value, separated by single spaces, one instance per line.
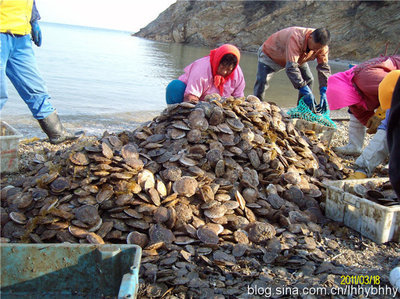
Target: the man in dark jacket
pixel 393 137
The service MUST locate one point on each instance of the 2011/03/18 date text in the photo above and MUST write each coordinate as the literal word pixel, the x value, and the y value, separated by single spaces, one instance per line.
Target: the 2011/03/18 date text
pixel 360 279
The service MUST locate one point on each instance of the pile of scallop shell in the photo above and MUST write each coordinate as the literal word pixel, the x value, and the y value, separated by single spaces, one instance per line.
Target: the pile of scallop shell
pixel 379 192
pixel 201 184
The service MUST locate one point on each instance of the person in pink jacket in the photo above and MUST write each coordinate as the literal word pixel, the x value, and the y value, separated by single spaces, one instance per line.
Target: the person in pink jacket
pixel 357 88
pixel 218 72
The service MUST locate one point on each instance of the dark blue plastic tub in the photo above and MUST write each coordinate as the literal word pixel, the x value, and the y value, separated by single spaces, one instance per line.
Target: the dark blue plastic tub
pixel 69 270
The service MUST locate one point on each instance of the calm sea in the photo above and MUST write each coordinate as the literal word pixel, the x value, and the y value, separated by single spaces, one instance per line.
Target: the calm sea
pixel 102 79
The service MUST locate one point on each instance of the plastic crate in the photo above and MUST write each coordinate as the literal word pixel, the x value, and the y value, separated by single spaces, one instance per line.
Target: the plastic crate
pixel 374 221
pixel 9 140
pixel 69 270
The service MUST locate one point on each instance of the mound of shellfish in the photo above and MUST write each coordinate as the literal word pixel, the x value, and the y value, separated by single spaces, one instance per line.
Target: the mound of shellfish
pixel 207 182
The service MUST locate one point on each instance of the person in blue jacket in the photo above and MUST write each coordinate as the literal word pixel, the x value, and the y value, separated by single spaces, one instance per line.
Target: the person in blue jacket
pixel 18 24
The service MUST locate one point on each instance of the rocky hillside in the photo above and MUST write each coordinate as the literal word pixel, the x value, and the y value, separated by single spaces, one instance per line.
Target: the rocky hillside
pixel 359 29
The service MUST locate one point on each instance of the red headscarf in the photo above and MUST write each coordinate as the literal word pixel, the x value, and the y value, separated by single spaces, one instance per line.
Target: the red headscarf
pixel 215 58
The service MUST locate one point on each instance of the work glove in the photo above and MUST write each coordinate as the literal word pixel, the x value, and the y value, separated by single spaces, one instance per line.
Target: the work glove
pixel 36 33
pixel 322 107
pixel 308 97
pixel 357 176
pixel 375 120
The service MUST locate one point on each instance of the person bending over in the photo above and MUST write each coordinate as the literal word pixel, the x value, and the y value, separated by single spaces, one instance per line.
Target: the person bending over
pixel 291 48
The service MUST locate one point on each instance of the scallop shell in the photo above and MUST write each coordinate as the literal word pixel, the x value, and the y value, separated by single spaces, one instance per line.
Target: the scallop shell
pixel 194 136
pixel 231 205
pixel 235 124
pixel 79 158
pixel 19 218
pixel 222 197
pixel 216 211
pixel 94 238
pixel 59 185
pixel 224 128
pixel 185 186
pixel 177 134
pixel 185 161
pixel 146 179
pixel 181 125
pixel 207 235
pixel 87 214
pixel 137 238
pixel 158 233
pixel 207 193
pixel 220 168
pixel 240 200
pixel 129 151
pixel 217 116
pixel 78 232
pixel 106 150
pixel 115 141
pixel 105 193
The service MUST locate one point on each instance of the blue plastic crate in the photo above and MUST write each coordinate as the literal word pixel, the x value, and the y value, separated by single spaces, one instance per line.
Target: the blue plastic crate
pixel 69 270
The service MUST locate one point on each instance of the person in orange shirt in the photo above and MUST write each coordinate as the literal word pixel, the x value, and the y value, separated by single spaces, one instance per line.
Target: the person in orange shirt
pixel 291 48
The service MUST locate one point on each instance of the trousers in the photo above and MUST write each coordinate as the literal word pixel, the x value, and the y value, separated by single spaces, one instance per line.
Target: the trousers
pixel 267 68
pixel 18 63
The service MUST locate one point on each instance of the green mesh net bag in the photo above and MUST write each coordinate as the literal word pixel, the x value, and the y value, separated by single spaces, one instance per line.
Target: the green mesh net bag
pixel 302 111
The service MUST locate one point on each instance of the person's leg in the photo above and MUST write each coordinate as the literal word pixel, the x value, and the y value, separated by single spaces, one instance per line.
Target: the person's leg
pixel 264 74
pixel 375 153
pixel 175 92
pixel 394 278
pixel 24 75
pixel 5 46
pixel 356 138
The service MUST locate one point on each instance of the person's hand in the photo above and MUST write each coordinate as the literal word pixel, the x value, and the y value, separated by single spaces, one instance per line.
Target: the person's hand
pixel 322 107
pixel 191 98
pixel 375 120
pixel 308 97
pixel 373 124
pixel 309 100
pixel 36 33
pixel 305 90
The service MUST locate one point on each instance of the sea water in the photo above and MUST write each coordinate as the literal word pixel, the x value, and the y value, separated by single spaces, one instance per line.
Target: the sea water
pixel 107 80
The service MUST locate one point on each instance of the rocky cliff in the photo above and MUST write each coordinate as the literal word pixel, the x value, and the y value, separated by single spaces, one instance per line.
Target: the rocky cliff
pixel 359 29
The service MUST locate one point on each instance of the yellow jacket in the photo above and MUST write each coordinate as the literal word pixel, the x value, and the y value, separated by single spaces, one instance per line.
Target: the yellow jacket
pixel 15 16
pixel 386 88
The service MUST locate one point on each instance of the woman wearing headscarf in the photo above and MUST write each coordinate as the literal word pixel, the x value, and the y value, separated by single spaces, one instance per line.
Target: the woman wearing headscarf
pixel 218 72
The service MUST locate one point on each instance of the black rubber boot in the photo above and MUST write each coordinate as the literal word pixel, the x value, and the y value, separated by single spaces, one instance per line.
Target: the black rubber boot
pixel 53 127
